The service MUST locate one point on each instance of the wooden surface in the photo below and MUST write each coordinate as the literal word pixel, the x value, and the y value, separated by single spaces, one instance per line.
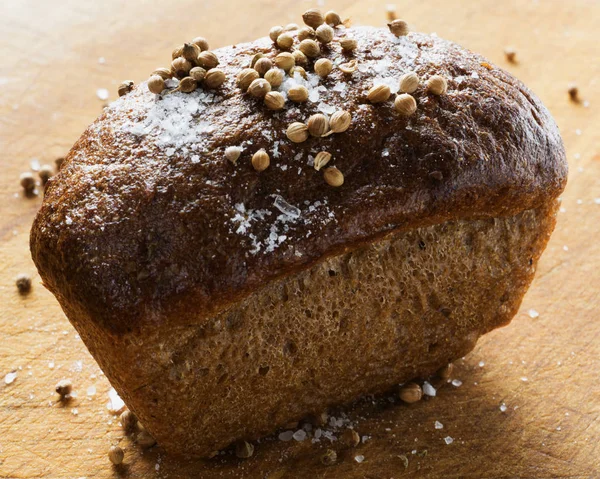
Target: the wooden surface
pixel 544 369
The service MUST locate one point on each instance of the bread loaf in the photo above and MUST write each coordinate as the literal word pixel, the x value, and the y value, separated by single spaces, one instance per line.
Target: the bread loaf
pixel 238 300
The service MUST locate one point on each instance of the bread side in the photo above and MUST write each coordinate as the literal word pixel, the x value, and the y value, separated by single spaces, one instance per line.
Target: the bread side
pixel 148 219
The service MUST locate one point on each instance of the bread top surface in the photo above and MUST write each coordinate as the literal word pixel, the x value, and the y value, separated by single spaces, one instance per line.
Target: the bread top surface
pixel 148 220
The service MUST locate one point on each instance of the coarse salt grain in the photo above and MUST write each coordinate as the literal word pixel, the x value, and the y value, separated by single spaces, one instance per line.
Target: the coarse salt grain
pixel 456 383
pixel 481 364
pixel 359 459
pixel 428 389
pixel 286 436
pixel 10 377
pixel 524 379
pixel 91 391
pixel 299 435
pixel 448 440
pixel 533 313
pixel 115 404
pixel 102 93
pixel 438 425
pixel 503 407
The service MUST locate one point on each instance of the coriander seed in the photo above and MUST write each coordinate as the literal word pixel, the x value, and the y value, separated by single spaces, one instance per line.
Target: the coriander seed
pixel 333 176
pixel 263 65
pixel 207 60
pixel 285 41
pixel 285 61
pixel 59 161
pixel 297 132
pixel 437 85
pixel 23 283
pixel 125 87
pixel 333 19
pixel 290 27
pixel 409 82
pixel 298 70
pixel 313 17
pixel 45 173
pixel 275 77
pixel 274 101
pixel 244 449
pixel 64 387
pixel 349 67
pixel 306 32
pixel 180 67
pixel 398 28
pixel 299 57
pixel 318 125
pixel 510 54
pixel 325 33
pixel 390 11
pixel 310 48
pixel 232 153
pixel 187 85
pixel 145 439
pixel 214 78
pixel 348 44
pixel 275 32
pixel 190 52
pixel 201 43
pixel 323 67
pixel 255 58
pixel 405 104
pixel 329 458
pixel 177 52
pixel 246 77
pixel 164 73
pixel 259 88
pixel 261 160
pixel 379 93
pixel 411 393
pixel 27 181
pixel 128 421
pixel 298 93
pixel 340 121
pixel 321 159
pixel 116 455
pixel 198 73
pixel 445 371
pixel 350 438
pixel 573 92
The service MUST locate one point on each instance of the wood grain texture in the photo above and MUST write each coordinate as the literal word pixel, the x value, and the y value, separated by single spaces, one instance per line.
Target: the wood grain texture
pixel 551 427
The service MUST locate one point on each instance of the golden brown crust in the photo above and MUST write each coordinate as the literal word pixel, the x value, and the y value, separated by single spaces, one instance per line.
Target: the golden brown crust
pixel 144 220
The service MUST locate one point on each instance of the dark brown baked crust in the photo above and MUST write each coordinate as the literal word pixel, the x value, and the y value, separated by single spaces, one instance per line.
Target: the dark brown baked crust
pixel 139 226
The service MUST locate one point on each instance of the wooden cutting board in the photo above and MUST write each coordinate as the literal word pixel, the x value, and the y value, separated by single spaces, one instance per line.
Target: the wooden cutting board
pixel 529 402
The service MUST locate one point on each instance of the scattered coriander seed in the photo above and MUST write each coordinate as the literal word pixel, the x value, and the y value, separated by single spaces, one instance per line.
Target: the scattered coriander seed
pixel 64 387
pixel 23 283
pixel 190 52
pixel 379 93
pixel 306 32
pixel 255 58
pixel 349 67
pixel 573 92
pixel 198 73
pixel 285 41
pixel 348 44
pixel 297 132
pixel 333 176
pixel 411 393
pixel 275 32
pixel 180 67
pixel 232 153
pixel 207 60
pixel 445 371
pixel 187 85
pixel 116 455
pixel 398 28
pixel 333 19
pixel 128 421
pixel 321 159
pixel 405 104
pixel 259 88
pixel 285 61
pixel 125 87
pixel 263 65
pixel 310 48
pixel 298 70
pixel 164 73
pixel 409 82
pixel 511 54
pixel 323 67
pixel 45 173
pixel 290 27
pixel 177 52
pixel 299 57
pixel 145 439
pixel 390 11
pixel 246 77
pixel 318 125
pixel 244 449
pixel 27 181
pixel 350 438
pixel 275 77
pixel 340 121
pixel 214 78
pixel 325 33
pixel 298 93
pixel 201 43
pixel 313 17
pixel 437 85
pixel 329 458
pixel 261 160
pixel 274 100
